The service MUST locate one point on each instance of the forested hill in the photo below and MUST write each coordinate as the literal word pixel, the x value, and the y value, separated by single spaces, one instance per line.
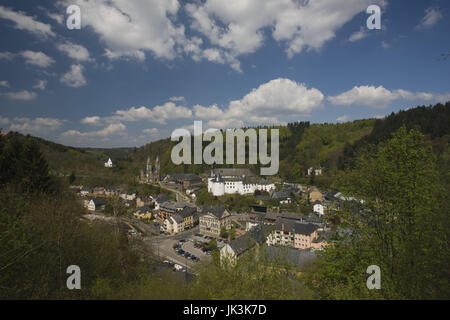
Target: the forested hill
pixel 334 147
pixel 432 121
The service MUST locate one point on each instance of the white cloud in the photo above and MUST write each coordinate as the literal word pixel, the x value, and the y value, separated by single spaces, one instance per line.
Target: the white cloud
pixel 95 120
pixel 432 16
pixel 4 121
pixel 57 17
pixel 177 99
pixel 74 51
pixel 26 23
pixel 380 97
pixel 273 102
pixel 343 119
pixel 74 77
pixel 24 95
pixel 40 84
pixel 36 126
pixel 152 131
pixel 129 28
pixel 112 129
pixel 385 45
pixel 37 58
pixel 160 114
pixel 359 35
pixel 4 83
pixel 133 29
pixel 236 26
pixel 6 55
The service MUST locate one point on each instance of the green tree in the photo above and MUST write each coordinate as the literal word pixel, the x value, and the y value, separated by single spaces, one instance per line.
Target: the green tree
pixel 397 227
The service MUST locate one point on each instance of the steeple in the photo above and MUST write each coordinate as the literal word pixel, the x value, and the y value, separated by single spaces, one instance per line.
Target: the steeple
pixel 149 167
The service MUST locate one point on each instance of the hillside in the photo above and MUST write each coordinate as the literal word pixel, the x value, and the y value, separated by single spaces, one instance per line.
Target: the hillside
pixel 334 147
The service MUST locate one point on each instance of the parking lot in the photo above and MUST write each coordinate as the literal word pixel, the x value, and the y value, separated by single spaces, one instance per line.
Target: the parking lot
pixel 187 251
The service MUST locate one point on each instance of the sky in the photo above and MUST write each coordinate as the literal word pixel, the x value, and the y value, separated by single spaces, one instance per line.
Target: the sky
pixel 138 69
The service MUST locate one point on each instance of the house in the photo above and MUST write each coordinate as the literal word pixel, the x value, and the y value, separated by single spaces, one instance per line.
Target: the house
pixel 174 224
pixel 291 233
pixel 315 195
pixel 213 219
pixel 316 170
pixel 304 234
pixel 144 213
pixel 168 208
pixel 160 200
pixel 109 163
pixel 318 208
pixel 190 217
pixel 128 196
pixel 235 248
pixel 186 180
pixel 85 191
pixel 96 203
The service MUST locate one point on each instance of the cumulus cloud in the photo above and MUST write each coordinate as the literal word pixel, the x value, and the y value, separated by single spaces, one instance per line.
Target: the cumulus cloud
pixel 6 55
pixel 134 29
pixel 380 97
pixel 272 102
pixel 159 114
pixel 151 131
pixel 24 22
pixel 74 51
pixel 236 26
pixel 4 121
pixel 23 95
pixel 74 78
pixel 359 35
pixel 95 120
pixel 4 83
pixel 111 129
pixel 343 119
pixel 37 58
pixel 40 84
pixel 432 16
pixel 177 99
pixel 129 28
pixel 36 126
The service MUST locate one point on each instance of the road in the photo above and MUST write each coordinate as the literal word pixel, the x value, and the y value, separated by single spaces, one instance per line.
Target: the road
pixel 179 194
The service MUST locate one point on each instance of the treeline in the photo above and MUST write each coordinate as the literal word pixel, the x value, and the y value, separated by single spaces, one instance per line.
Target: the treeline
pixel 433 121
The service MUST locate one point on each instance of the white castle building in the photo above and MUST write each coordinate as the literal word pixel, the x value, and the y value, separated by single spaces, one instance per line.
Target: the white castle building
pixel 235 183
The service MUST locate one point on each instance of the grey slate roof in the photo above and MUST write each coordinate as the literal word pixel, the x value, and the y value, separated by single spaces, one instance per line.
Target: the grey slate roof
pixel 217 211
pixel 183 177
pixel 255 235
pixel 163 199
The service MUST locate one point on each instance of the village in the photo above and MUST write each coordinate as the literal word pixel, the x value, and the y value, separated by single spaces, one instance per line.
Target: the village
pixel 185 232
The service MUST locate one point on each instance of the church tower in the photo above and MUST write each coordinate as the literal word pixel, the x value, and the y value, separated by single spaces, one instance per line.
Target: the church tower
pixel 157 170
pixel 149 169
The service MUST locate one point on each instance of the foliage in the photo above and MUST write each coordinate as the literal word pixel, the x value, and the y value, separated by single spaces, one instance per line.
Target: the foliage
pixel 401 226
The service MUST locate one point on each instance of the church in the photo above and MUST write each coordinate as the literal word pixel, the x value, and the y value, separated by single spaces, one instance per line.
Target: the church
pixel 150 175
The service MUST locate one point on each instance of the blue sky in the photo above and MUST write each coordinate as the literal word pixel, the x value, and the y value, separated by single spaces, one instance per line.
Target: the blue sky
pixel 137 70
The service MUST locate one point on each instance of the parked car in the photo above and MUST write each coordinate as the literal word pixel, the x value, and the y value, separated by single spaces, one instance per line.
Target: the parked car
pixel 195 259
pixel 198 235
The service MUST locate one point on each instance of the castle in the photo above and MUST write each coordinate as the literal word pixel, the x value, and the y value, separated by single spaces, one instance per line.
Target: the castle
pixel 148 175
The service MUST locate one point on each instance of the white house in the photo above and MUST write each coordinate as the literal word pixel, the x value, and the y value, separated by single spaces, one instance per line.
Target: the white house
pixel 316 170
pixel 174 224
pixel 96 204
pixel 318 208
pixel 109 164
